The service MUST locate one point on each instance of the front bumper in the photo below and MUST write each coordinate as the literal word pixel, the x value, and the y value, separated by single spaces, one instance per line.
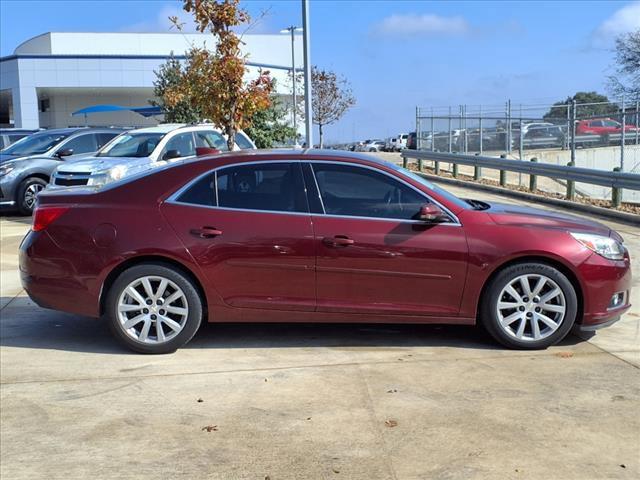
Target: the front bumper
pixel 601 279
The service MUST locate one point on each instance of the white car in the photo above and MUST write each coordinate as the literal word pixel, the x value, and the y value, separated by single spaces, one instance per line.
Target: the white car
pixel 373 146
pixel 138 150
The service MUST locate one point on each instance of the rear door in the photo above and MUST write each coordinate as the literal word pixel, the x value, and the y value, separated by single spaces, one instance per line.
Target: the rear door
pixel 374 256
pixel 248 226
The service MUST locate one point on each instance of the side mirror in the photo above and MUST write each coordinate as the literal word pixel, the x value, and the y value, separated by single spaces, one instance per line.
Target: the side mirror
pixel 202 151
pixel 169 154
pixel 65 152
pixel 432 213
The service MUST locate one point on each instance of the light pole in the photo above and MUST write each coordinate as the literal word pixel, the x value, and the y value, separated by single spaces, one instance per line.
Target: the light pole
pixel 308 112
pixel 292 30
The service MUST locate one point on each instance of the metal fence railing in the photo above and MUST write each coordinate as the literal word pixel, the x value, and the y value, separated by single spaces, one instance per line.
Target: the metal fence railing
pixel 518 129
pixel 615 179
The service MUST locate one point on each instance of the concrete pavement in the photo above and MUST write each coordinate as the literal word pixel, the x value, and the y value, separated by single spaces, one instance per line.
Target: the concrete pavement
pixel 312 401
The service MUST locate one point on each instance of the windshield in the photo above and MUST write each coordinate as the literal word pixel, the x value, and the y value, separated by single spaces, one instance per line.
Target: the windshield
pixel 131 145
pixel 35 144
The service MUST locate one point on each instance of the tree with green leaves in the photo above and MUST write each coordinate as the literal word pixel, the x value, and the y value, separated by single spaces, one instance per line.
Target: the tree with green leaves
pixel 626 81
pixel 169 77
pixel 596 105
pixel 270 127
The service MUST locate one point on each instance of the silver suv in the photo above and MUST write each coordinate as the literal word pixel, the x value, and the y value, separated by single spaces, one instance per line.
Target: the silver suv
pixel 139 150
pixel 26 166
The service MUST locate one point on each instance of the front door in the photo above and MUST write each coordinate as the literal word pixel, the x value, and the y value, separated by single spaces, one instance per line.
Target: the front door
pixel 374 256
pixel 249 229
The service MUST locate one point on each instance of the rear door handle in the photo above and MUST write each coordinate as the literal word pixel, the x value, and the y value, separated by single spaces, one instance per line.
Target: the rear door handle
pixel 338 241
pixel 206 232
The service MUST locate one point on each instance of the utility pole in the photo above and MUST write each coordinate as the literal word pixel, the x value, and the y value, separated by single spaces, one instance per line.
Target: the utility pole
pixel 308 111
pixel 292 30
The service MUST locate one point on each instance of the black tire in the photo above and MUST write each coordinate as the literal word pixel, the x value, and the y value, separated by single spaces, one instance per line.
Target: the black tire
pixel 193 300
pixel 23 200
pixel 489 302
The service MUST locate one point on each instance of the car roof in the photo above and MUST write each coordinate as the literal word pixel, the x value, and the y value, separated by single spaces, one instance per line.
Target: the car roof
pixel 72 130
pixel 298 154
pixel 170 127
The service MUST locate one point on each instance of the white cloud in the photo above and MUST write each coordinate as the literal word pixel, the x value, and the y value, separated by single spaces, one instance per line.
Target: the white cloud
pixel 418 25
pixel 162 23
pixel 624 20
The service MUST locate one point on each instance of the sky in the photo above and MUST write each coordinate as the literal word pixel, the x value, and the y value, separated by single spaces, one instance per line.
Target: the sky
pixel 397 54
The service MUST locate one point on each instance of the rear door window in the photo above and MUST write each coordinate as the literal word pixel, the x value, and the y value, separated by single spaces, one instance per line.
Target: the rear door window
pixel 104 138
pixel 276 187
pixel 86 143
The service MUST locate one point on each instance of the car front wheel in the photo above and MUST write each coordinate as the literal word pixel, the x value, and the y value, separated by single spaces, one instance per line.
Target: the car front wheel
pixel 153 308
pixel 529 306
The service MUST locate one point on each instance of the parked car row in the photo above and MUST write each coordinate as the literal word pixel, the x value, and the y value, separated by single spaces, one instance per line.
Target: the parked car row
pixel 95 156
pixel 591 132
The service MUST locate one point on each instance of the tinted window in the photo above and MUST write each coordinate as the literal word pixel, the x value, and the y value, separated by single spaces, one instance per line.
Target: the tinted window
pixel 276 187
pixel 82 144
pixel 361 192
pixel 181 143
pixel 201 193
pixel 104 138
pixel 211 139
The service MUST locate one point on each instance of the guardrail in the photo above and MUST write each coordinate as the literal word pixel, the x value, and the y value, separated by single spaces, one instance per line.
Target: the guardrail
pixel 615 179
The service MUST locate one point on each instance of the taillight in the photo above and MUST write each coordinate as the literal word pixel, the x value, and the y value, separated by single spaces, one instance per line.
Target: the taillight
pixel 45 216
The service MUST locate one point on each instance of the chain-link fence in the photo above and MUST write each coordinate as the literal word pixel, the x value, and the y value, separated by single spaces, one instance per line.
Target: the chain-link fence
pixel 599 135
pixel 516 129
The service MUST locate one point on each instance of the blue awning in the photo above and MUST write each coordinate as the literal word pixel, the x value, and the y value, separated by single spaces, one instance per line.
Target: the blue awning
pixel 144 111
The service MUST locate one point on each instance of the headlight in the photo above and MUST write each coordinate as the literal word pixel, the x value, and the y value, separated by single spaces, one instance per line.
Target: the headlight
pixel 112 175
pixel 604 246
pixel 6 169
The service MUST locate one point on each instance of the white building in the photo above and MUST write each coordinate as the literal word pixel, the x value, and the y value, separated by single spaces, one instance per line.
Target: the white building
pixel 50 76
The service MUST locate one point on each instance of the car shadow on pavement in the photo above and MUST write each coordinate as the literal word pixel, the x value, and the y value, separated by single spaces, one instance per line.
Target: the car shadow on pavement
pixel 23 325
pixel 16 217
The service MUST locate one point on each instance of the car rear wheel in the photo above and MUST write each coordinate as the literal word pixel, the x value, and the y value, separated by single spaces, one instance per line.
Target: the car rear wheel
pixel 153 308
pixel 28 192
pixel 529 306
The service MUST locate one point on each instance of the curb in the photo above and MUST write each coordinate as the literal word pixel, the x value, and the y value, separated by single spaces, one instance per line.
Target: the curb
pixel 628 218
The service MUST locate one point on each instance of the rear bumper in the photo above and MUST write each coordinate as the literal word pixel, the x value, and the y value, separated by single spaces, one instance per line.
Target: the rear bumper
pixel 51 280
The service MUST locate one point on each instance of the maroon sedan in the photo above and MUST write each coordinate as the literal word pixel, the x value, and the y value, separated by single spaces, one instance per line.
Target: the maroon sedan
pixel 314 236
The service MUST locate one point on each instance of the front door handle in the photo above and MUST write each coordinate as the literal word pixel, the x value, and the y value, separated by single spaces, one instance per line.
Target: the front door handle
pixel 206 232
pixel 338 241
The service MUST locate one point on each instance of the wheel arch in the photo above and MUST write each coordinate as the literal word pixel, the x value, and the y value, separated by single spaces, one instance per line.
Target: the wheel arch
pixel 155 259
pixel 552 262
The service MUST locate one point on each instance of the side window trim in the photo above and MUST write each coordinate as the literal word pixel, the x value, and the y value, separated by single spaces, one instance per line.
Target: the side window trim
pixel 174 196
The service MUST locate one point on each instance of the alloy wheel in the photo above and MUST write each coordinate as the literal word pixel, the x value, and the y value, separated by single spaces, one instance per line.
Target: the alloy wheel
pixel 31 193
pixel 152 309
pixel 531 307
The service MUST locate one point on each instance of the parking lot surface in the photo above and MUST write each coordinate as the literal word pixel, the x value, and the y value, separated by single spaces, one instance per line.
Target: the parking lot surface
pixel 312 401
